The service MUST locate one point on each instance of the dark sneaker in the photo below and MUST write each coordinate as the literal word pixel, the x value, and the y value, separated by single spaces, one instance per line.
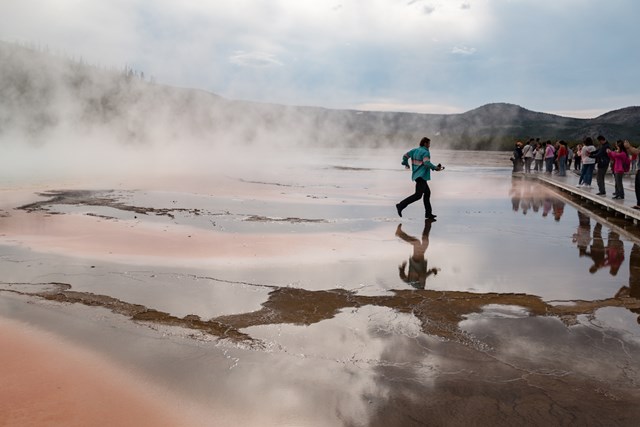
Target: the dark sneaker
pixel 399 210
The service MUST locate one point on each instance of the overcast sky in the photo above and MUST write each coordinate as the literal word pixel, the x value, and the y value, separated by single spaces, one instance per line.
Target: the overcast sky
pixel 578 58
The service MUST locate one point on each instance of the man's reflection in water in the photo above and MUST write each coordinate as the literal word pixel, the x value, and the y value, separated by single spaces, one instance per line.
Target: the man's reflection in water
pixel 515 193
pixel 596 251
pixel 582 236
pixel 610 256
pixel 633 290
pixel 417 273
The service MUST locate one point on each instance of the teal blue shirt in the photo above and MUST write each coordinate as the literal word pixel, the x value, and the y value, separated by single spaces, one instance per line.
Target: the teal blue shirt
pixel 421 165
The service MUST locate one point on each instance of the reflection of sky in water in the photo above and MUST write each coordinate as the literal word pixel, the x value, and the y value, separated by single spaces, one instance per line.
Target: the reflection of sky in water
pixel 482 242
pixel 367 362
pixel 504 237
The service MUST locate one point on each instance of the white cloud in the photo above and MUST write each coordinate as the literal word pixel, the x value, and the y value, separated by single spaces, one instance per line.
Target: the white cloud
pixel 254 59
pixel 349 51
pixel 463 50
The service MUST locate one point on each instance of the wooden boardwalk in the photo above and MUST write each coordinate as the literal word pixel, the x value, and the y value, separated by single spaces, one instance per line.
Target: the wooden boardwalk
pixel 568 184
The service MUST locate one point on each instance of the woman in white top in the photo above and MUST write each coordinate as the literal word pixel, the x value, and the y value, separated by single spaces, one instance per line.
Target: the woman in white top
pixel 538 156
pixel 588 163
pixel 527 153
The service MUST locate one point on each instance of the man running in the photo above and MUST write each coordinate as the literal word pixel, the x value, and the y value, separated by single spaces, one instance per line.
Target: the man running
pixel 421 173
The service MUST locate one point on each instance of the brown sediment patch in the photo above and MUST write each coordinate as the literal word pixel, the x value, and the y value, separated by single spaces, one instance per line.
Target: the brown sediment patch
pixel 101 216
pixel 260 218
pixel 46 381
pixel 62 293
pixel 439 312
pixel 97 198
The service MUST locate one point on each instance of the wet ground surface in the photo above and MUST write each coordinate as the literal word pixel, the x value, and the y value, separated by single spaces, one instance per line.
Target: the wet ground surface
pixel 516 306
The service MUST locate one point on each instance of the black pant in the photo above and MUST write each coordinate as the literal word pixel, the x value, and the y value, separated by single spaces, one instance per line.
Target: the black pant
pixel 602 171
pixel 619 188
pixel 422 189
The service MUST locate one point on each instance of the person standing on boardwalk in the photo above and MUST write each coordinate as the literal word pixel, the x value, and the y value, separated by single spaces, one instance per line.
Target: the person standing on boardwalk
pixel 577 163
pixel 633 150
pixel 549 157
pixel 421 173
pixel 527 153
pixel 602 160
pixel 562 158
pixel 621 165
pixel 517 157
pixel 588 163
pixel 538 157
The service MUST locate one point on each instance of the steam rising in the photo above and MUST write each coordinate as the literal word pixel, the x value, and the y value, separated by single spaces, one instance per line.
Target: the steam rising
pixel 57 114
pixel 62 115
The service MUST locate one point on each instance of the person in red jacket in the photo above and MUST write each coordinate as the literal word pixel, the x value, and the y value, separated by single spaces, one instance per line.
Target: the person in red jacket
pixel 562 158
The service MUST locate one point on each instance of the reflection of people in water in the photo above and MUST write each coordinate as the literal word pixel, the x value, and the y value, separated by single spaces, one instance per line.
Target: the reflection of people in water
pixel 615 252
pixel 558 209
pixel 633 290
pixel 602 256
pixel 516 193
pixel 417 273
pixel 597 250
pixel 525 195
pixel 582 236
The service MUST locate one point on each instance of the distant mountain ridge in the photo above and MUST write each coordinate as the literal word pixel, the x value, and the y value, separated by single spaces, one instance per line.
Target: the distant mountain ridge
pixel 41 94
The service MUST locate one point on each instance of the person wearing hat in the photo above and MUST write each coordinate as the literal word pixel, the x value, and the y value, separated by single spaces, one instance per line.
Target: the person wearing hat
pixel 421 173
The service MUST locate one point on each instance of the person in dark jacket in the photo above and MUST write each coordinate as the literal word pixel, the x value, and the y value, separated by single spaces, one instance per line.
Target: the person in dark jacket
pixel 517 159
pixel 602 161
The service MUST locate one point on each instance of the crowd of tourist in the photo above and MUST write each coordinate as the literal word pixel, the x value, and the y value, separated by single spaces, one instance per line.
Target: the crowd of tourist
pixel 557 157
